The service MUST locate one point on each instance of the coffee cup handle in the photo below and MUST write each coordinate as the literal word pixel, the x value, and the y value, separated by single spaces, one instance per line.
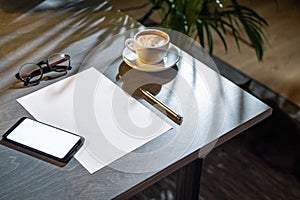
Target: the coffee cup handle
pixel 129 44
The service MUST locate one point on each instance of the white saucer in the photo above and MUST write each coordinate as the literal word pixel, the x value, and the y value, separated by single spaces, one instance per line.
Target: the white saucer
pixel 131 59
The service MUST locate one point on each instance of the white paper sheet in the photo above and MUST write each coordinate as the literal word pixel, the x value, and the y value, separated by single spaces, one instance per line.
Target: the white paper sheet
pixel 89 104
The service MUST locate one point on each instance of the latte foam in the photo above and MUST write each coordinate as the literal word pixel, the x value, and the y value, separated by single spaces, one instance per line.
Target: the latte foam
pixel 151 40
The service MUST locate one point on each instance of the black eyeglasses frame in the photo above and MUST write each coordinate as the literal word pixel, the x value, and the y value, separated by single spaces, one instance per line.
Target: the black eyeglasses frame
pixel 46 67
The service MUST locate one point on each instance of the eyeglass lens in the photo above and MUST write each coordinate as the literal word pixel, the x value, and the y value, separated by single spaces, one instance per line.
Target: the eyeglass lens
pixel 59 62
pixel 30 72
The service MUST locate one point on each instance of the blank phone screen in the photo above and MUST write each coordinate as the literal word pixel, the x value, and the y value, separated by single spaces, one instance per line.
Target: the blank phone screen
pixel 44 138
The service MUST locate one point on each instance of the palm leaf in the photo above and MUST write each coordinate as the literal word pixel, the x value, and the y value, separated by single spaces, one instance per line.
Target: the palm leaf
pixel 220 36
pixel 200 32
pixel 205 16
pixel 209 38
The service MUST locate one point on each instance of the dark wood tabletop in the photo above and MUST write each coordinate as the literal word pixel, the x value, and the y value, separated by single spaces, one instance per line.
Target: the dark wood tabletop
pixel 93 33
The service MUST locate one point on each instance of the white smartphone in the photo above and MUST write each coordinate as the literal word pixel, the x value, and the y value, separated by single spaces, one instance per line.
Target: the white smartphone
pixel 44 139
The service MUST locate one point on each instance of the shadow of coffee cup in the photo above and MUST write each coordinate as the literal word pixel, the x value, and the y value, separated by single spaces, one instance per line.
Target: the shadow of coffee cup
pixel 132 80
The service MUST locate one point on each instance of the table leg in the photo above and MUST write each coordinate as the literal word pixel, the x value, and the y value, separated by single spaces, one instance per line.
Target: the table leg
pixel 188 181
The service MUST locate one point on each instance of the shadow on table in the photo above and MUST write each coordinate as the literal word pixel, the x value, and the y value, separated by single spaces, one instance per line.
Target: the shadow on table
pixel 32 30
pixel 32 153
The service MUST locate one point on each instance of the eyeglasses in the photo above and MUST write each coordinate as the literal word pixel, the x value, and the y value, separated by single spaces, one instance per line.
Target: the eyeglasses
pixel 32 74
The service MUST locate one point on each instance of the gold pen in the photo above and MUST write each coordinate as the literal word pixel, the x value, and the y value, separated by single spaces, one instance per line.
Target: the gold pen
pixel 162 107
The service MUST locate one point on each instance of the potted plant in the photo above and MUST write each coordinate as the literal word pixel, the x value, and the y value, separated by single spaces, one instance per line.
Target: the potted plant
pixel 200 18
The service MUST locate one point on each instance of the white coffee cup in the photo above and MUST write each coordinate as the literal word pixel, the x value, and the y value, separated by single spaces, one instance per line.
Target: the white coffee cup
pixel 150 45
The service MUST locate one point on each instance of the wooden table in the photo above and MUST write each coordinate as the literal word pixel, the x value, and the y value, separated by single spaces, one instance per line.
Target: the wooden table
pixel 214 109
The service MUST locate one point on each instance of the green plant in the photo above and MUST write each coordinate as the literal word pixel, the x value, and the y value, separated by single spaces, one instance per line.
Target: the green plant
pixel 199 18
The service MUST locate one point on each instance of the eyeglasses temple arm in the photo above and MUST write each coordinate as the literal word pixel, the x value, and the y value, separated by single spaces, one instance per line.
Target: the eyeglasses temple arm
pixel 67 57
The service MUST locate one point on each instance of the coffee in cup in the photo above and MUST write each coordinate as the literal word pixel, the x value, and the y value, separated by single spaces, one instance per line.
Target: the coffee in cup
pixel 151 40
pixel 150 45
